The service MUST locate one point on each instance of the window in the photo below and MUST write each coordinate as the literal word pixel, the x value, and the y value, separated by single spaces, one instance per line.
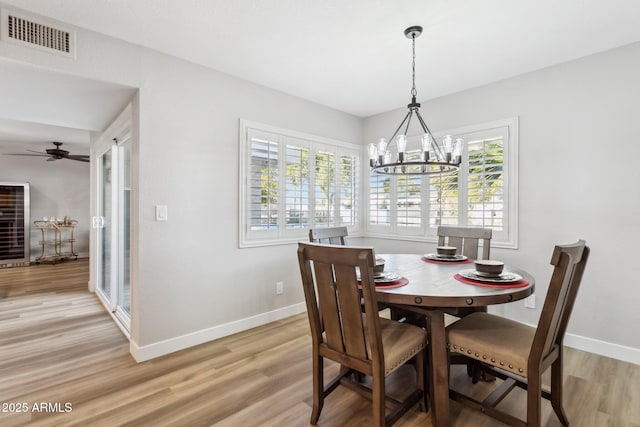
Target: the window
pixel 482 193
pixel 291 182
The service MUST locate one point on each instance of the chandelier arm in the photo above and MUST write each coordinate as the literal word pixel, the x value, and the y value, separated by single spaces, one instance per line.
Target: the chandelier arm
pixel 406 129
pixel 399 127
pixel 426 129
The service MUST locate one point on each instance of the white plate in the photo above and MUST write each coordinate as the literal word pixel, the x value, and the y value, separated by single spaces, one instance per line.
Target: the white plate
pixel 383 277
pixel 387 278
pixel 505 277
pixel 489 275
pixel 436 257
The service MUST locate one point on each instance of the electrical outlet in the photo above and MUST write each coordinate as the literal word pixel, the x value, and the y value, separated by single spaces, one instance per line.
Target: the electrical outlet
pixel 530 301
pixel 279 288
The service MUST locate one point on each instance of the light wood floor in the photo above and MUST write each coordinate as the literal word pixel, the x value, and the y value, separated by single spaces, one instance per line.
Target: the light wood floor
pixel 59 346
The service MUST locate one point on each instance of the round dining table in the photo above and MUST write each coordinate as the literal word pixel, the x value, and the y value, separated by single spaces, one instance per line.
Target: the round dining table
pixel 435 288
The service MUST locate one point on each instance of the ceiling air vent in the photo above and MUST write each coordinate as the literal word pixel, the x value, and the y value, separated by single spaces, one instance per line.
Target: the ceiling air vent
pixel 37 33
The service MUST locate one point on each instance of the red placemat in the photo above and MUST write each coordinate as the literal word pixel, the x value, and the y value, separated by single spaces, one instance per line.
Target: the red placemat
pixel 519 284
pixel 433 261
pixel 395 284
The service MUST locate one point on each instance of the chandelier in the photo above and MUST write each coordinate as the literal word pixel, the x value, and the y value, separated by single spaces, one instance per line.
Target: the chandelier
pixel 432 157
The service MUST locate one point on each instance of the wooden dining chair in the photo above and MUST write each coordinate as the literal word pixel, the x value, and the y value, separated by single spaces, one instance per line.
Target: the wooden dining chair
pixel 359 342
pixel 518 353
pixel 466 240
pixel 330 235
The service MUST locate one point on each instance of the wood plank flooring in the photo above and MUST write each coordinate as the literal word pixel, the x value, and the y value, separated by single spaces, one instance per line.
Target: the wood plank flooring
pixel 59 347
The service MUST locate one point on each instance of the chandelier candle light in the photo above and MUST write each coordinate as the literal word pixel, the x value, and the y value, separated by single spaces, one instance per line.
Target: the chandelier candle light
pixel 435 158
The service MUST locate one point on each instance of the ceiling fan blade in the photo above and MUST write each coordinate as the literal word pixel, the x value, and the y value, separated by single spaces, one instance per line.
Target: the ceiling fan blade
pixel 54 154
pixel 35 155
pixel 79 158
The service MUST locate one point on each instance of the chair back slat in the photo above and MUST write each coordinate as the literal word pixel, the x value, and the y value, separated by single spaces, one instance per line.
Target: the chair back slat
pixel 353 334
pixel 336 308
pixel 569 262
pixel 328 305
pixel 328 236
pixel 466 240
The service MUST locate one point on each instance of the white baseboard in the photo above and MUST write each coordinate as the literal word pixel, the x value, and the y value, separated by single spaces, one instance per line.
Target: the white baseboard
pixel 147 352
pixel 150 351
pixel 603 348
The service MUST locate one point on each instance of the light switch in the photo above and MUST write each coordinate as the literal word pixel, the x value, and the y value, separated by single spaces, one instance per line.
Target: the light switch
pixel 161 213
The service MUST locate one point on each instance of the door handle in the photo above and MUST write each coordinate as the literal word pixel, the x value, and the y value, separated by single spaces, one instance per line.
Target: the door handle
pixel 97 222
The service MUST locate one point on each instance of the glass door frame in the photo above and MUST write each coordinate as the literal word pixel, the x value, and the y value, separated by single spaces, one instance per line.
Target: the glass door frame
pixel 112 141
pixel 119 229
pixel 98 222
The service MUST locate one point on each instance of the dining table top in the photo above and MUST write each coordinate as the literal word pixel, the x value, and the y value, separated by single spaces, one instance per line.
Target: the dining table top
pixel 433 284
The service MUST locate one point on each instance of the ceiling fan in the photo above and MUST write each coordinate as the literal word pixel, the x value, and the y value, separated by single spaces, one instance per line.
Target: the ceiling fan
pixel 55 154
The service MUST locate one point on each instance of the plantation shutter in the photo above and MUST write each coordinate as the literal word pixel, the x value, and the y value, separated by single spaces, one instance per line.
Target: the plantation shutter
pixel 443 199
pixel 297 187
pixel 263 181
pixel 348 185
pixel 324 188
pixel 379 199
pixel 481 193
pixel 408 201
pixel 291 182
pixel 485 184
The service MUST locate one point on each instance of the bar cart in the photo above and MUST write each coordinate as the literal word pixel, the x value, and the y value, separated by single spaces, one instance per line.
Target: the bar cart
pixel 57 240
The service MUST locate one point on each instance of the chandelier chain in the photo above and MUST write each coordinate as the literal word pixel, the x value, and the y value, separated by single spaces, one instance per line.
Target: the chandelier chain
pixel 414 92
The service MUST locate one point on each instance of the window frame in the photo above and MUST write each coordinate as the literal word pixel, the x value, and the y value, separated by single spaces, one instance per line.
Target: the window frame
pixel 281 234
pixel 425 233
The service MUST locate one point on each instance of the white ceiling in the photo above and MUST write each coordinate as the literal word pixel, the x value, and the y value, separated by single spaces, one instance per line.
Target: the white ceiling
pixel 40 106
pixel 352 55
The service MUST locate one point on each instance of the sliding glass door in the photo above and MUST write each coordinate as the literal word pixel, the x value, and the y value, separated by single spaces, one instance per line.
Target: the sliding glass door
pixel 124 227
pixel 112 224
pixel 104 224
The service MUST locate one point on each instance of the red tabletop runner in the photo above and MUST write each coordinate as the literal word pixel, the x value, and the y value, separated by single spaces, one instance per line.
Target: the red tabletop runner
pixel 519 284
pixel 395 284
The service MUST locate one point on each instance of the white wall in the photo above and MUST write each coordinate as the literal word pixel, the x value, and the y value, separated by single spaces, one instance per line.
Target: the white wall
pixel 192 274
pixel 191 282
pixel 59 188
pixel 577 177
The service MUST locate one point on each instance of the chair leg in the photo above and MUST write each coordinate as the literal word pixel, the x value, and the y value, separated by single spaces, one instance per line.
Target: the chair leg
pixel 318 388
pixel 556 390
pixel 534 396
pixel 378 399
pixel 477 373
pixel 422 379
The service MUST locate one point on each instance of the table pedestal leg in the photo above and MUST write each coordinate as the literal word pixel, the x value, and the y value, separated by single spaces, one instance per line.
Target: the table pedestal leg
pixel 439 367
